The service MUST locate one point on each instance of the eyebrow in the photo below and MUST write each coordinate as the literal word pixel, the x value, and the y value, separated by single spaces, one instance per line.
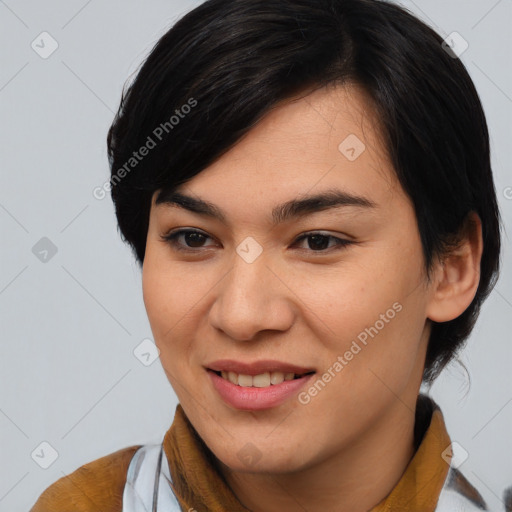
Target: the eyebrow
pixel 293 209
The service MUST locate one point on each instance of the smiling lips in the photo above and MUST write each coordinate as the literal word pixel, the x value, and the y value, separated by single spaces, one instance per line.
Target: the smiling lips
pixel 261 380
pixel 259 373
pixel 257 367
pixel 257 385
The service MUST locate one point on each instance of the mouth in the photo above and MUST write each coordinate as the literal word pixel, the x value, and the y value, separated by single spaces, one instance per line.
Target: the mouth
pixel 259 391
pixel 258 374
pixel 261 380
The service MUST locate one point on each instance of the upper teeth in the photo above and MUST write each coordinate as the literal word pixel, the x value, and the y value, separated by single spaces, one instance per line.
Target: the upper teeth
pixel 259 381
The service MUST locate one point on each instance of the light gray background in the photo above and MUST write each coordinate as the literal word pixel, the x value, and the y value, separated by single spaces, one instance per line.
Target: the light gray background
pixel 70 325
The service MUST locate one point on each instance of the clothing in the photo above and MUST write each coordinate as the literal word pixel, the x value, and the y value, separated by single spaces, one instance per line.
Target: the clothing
pixel 181 472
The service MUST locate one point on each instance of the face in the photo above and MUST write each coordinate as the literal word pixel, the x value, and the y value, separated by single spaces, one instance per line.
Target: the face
pixel 335 287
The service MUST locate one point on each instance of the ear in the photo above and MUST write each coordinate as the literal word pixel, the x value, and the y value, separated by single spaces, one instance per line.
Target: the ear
pixel 457 274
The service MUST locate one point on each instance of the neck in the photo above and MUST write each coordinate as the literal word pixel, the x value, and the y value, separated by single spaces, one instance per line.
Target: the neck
pixel 354 479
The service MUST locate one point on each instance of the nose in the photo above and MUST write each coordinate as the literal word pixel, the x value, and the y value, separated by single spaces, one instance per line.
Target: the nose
pixel 252 298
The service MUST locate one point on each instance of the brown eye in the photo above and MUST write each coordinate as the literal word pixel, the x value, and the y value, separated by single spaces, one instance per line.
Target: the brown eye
pixel 318 242
pixel 192 239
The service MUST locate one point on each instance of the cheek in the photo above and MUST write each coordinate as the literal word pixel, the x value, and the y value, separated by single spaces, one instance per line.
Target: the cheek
pixel 169 292
pixel 175 302
pixel 373 318
pixel 158 298
pixel 346 302
pixel 165 303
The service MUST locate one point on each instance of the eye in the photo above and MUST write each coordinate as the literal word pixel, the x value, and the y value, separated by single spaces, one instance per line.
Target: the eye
pixel 194 240
pixel 190 236
pixel 319 242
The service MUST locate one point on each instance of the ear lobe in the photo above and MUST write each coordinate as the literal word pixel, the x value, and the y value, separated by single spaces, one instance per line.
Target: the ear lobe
pixel 457 274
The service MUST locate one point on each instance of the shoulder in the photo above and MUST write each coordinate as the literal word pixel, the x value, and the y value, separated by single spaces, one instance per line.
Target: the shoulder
pixel 458 495
pixel 95 486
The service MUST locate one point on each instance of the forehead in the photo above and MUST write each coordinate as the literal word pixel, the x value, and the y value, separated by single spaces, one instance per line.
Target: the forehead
pixel 325 140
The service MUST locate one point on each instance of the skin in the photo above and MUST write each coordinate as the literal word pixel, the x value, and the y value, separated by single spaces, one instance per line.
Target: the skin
pixel 347 448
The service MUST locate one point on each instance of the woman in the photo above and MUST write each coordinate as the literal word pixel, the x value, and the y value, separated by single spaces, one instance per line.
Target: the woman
pixel 307 187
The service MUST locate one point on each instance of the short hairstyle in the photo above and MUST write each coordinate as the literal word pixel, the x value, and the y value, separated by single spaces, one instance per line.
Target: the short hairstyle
pixel 227 63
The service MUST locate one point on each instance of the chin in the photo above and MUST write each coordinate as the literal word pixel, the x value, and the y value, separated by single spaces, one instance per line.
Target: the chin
pixel 254 455
pixel 254 462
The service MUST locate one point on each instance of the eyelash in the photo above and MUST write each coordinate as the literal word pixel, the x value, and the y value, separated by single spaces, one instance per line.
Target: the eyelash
pixel 171 239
